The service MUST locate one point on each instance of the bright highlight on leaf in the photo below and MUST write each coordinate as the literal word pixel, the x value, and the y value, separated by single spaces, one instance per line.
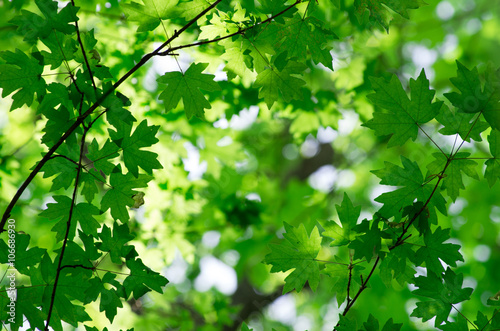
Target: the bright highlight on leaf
pixel 187 86
pixel 151 14
pixel 280 78
pixel 299 254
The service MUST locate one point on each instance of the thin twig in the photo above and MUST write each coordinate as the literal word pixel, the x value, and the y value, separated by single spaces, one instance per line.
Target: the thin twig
pixel 83 51
pixel 68 227
pixel 241 32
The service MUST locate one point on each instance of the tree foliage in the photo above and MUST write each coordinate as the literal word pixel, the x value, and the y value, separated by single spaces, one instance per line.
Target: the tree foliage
pixel 174 135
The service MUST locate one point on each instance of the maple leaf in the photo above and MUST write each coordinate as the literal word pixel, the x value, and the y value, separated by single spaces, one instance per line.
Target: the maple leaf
pixel 34 27
pixel 370 242
pixel 453 174
pixel 191 9
pixel 151 14
pixel 115 244
pixel 435 250
pixel 378 13
pixel 61 46
pixel 394 266
pixel 346 323
pixel 142 279
pixel 187 86
pixel 235 62
pixel 25 257
pixel 63 169
pixel 100 156
pixel 372 325
pixel 121 192
pixel 403 117
pixel 488 324
pixel 278 78
pixel 348 216
pixel 462 123
pixel 443 295
pixel 299 253
pixel 131 144
pixel 460 324
pixel 492 172
pixel 22 74
pixel 110 300
pixel 300 34
pixel 412 186
pixel 475 98
pixel 82 212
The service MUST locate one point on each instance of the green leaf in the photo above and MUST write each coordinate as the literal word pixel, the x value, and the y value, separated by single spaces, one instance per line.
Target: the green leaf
pixel 235 62
pixel 187 86
pixel 142 279
pixel 348 216
pixel 63 169
pixel 453 174
pixel 492 172
pixel 391 326
pixel 378 13
pixel 82 212
pixel 486 324
pixel 110 300
pixel 121 192
pixel 34 27
pixel 62 48
pixel 435 250
pixel 22 74
pixel 25 257
pixel 299 253
pixel 402 117
pixel 371 324
pixel 368 244
pixel 346 323
pixel 151 14
pixel 88 182
pixel 465 124
pixel 191 9
pixel 394 266
pixel 459 325
pixel 412 186
pixel 100 157
pixel 444 294
pixel 116 244
pixel 302 34
pixel 115 113
pixel 131 144
pixel 473 97
pixel 59 211
pixel 244 327
pixel 273 81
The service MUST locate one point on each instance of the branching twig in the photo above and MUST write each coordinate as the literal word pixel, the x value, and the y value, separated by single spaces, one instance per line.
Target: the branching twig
pixel 240 31
pixel 68 227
